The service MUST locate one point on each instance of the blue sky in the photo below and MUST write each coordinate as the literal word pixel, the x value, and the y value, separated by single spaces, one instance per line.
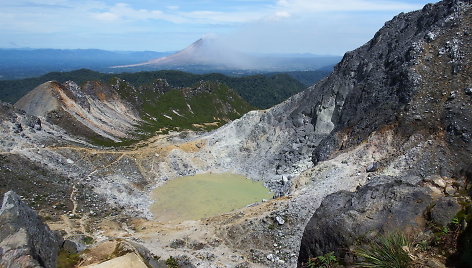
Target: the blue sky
pixel 267 26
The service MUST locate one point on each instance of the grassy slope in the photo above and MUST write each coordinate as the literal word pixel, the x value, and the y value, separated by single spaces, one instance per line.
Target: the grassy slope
pixel 214 103
pixel 202 107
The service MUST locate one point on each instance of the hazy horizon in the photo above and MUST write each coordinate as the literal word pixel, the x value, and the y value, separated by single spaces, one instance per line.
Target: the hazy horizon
pixel 171 52
pixel 319 27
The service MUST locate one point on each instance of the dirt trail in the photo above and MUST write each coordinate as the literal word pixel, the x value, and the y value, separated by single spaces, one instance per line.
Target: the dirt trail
pixel 108 165
pixel 73 199
pixel 67 225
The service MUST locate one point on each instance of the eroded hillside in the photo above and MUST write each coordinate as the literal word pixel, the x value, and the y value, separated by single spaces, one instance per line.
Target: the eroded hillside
pixel 118 113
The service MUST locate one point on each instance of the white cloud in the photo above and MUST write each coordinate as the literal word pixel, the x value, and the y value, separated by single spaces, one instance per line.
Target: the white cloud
pixel 122 11
pixel 217 17
pixel 305 6
pixel 107 16
pixel 282 14
pixel 37 17
pixel 320 26
pixel 125 12
pixel 281 22
pixel 173 7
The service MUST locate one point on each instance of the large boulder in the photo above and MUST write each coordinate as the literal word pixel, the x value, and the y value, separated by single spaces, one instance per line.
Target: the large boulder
pixel 25 241
pixel 119 253
pixel 385 205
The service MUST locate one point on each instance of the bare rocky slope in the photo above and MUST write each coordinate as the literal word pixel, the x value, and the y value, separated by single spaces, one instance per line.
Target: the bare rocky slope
pixel 391 124
pixel 94 108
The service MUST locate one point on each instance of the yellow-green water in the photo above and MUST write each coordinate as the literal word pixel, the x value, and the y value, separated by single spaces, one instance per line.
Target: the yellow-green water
pixel 204 195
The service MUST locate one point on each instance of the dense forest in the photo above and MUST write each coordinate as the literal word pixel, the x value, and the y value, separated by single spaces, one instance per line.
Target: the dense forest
pixel 261 91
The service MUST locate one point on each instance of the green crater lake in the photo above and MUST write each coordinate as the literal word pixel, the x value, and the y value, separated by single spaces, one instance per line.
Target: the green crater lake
pixel 204 195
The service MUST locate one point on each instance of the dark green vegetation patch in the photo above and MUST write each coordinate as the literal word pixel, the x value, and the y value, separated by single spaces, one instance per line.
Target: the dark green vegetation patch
pixel 261 91
pixel 204 106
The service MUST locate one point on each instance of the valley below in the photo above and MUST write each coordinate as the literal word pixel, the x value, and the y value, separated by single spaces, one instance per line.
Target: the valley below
pixel 110 192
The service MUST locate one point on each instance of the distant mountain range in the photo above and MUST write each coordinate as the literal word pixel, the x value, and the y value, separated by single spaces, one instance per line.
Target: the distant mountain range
pixel 23 63
pixel 211 54
pixel 203 56
pixel 203 52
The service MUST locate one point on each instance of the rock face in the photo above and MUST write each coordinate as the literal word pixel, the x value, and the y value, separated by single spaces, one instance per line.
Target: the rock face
pixel 24 240
pixel 409 78
pixel 401 77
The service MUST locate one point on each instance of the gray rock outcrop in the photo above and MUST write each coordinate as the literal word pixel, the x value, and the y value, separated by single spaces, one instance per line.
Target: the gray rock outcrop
pixel 444 211
pixel 386 205
pixel 25 241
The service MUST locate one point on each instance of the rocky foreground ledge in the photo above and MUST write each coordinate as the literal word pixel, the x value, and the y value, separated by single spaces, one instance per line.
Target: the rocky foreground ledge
pixel 25 241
